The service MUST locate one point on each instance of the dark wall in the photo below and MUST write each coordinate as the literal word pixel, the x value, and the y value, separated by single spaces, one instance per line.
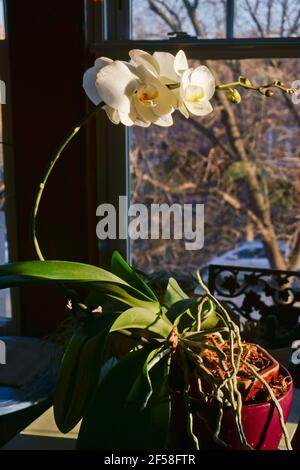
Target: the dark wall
pixel 47 57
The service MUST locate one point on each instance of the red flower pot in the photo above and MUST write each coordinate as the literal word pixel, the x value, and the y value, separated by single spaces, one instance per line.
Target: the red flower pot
pixel 260 422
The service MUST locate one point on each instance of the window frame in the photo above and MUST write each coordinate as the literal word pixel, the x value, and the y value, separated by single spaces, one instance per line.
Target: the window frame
pixel 108 29
pixel 9 325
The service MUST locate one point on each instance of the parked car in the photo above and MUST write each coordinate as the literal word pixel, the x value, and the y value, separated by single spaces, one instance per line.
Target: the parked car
pixel 248 254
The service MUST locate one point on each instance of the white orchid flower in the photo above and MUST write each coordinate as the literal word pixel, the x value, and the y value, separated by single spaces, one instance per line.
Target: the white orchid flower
pixel 195 86
pixel 132 94
pixel 167 67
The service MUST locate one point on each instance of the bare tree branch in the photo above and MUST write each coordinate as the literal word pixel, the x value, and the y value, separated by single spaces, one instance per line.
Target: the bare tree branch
pixel 159 10
pixel 191 10
pixel 237 205
pixel 165 187
pixel 295 26
pixel 269 16
pixel 254 17
pixel 294 260
pixel 284 11
pixel 171 13
pixel 211 136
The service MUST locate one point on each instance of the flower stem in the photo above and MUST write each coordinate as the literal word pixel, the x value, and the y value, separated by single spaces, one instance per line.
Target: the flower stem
pixel 225 86
pixel 48 172
pixel 262 89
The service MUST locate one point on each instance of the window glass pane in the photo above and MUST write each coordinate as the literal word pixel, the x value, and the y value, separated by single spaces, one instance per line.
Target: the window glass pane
pixel 2 28
pixel 197 161
pixel 154 19
pixel 265 18
pixel 5 299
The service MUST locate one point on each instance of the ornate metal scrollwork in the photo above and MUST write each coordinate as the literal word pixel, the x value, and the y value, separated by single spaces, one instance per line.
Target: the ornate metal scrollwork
pixel 266 300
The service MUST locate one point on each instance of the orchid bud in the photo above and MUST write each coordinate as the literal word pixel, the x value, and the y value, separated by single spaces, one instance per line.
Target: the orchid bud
pixel 245 81
pixel 234 96
pixel 269 93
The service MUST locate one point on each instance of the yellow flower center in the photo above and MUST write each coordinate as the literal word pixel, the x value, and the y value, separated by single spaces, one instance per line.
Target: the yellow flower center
pixel 194 93
pixel 146 94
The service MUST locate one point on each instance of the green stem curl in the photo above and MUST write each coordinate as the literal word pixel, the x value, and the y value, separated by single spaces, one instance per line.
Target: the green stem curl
pixel 48 172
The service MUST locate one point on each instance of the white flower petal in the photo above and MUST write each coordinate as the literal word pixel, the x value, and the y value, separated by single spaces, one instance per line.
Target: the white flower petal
pixel 185 79
pixel 89 85
pixel 193 93
pixel 116 84
pixel 203 77
pixel 200 108
pixel 183 110
pixel 180 63
pixel 166 101
pixel 164 121
pixel 167 72
pixel 126 119
pixel 129 119
pixel 140 57
pixel 112 114
pixel 145 113
pixel 102 62
pixel 141 123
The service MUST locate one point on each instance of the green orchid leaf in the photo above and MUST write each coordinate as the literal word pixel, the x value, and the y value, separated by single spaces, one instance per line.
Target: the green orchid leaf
pixel 138 317
pixel 112 422
pixel 76 274
pixel 173 293
pixel 160 404
pixel 181 307
pixel 121 268
pixel 59 271
pixel 80 370
pixel 209 316
pixel 143 388
pixel 125 294
pixel 184 313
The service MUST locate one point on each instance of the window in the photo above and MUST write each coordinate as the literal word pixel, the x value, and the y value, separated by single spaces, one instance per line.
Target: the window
pixel 7 319
pixel 5 301
pixel 2 30
pixel 191 163
pixel 198 160
pixel 155 20
pixel 276 18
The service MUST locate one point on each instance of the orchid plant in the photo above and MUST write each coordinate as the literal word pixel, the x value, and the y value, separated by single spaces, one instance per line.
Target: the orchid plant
pixel 144 91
